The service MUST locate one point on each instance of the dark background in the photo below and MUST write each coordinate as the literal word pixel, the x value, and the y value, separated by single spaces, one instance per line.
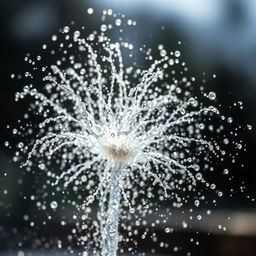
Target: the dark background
pixel 218 37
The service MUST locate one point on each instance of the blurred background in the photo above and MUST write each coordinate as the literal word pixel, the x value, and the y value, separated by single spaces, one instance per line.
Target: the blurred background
pixel 218 37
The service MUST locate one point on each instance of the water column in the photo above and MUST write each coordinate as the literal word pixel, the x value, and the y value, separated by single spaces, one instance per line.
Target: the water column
pixel 109 229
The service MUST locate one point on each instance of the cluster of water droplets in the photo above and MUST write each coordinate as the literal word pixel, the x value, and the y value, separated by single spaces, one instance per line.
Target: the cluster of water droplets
pixel 100 111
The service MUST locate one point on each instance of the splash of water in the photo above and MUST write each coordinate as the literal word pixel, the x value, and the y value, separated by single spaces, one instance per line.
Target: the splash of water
pixel 111 129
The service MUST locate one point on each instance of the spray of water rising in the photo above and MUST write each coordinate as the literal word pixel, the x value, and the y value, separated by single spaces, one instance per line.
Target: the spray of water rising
pixel 109 132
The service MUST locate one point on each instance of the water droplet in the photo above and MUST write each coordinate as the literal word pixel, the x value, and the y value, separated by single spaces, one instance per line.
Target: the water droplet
pixel 199 176
pixel 103 28
pixel 239 146
pixel 230 120
pixel 91 37
pixel 196 167
pixel 226 172
pixel 54 204
pixel 212 95
pixel 249 127
pixel 191 101
pixel 226 141
pixel 213 186
pixel 177 54
pixel 54 38
pixel 132 210
pixel 77 34
pixel 220 194
pixel 110 12
pixel 118 22
pixel 199 217
pixel 84 178
pixel 21 145
pixel 167 230
pixel 90 11
pixel 66 29
pixel 184 224
pixel 163 52
pixel 197 202
pixel 129 22
pixel 171 62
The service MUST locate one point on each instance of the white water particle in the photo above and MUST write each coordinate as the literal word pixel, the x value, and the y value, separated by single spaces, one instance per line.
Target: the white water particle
pixel 103 28
pixel 54 204
pixel 118 22
pixel 90 11
pixel 212 95
pixel 177 54
pixel 66 29
pixel 226 172
pixel 54 38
